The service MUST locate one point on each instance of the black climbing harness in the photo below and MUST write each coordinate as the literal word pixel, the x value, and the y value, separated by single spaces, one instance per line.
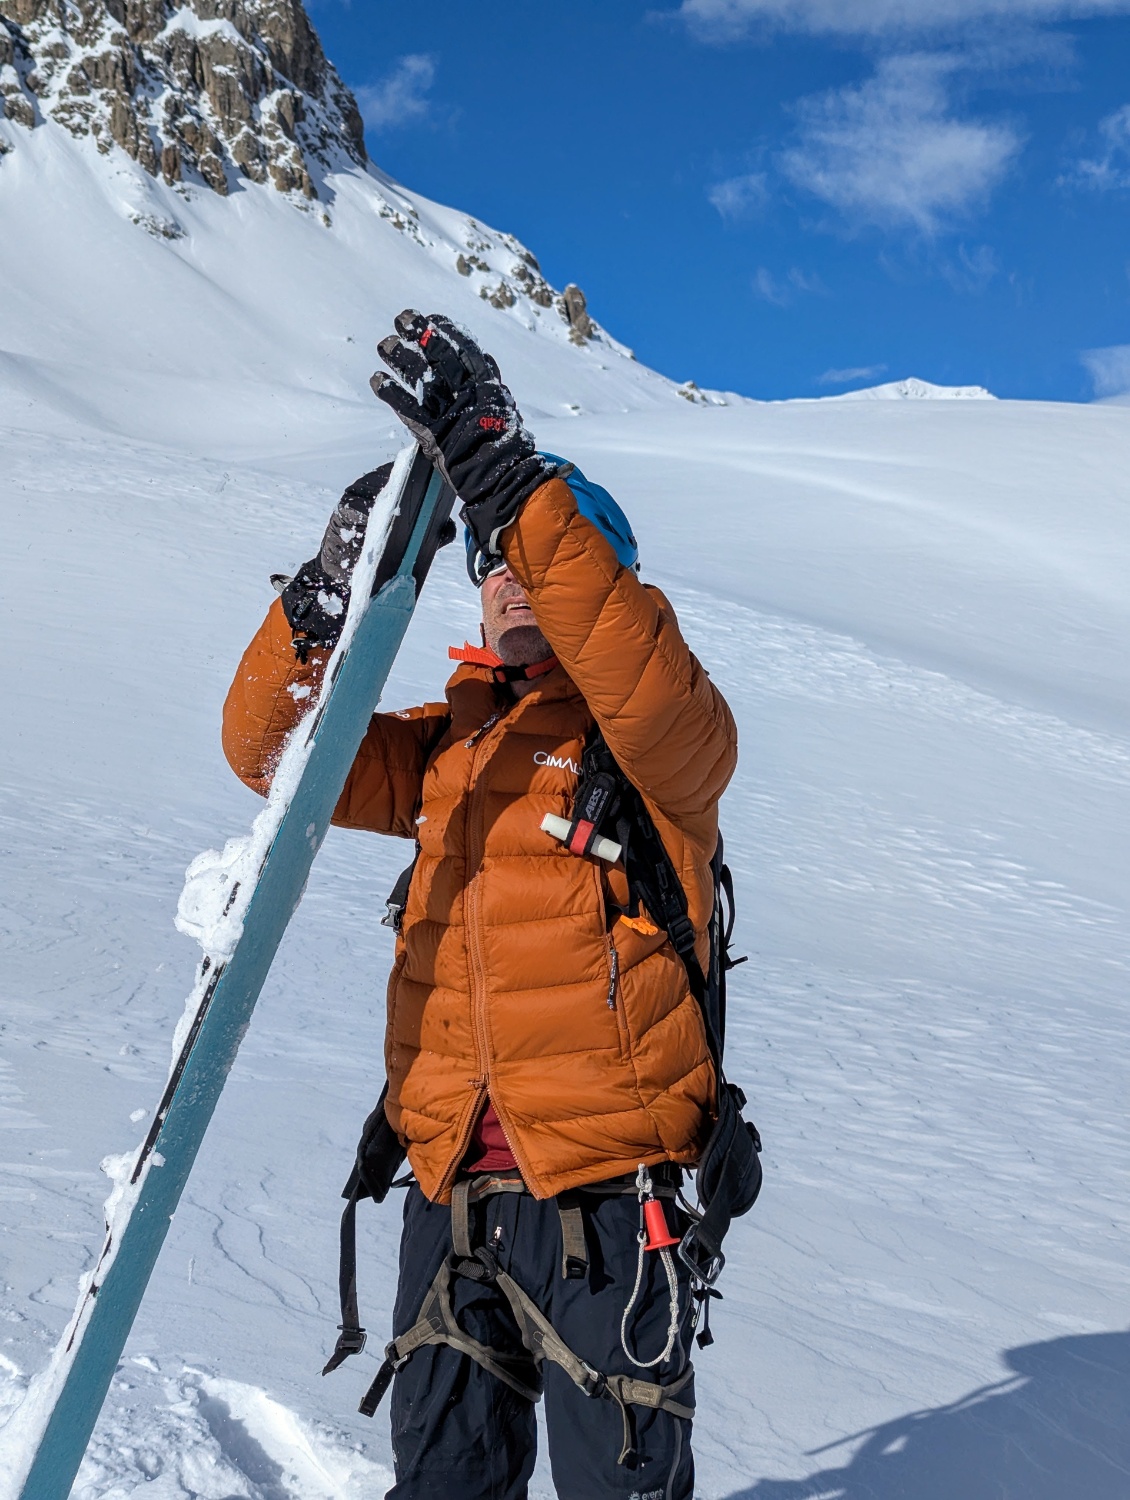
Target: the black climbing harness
pixel 437 1324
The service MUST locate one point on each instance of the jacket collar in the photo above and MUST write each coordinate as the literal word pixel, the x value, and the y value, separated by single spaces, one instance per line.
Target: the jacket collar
pixel 483 656
pixel 470 681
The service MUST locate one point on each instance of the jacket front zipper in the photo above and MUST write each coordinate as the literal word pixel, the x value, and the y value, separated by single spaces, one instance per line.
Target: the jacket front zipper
pixel 480 743
pixel 483 728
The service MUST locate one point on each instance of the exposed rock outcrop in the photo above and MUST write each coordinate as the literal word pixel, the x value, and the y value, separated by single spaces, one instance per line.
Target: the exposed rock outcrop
pixel 574 309
pixel 522 278
pixel 204 90
pixel 17 98
pixel 508 275
pixel 691 392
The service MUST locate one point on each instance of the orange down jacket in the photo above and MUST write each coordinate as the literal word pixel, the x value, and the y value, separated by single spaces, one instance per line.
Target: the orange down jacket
pixel 515 977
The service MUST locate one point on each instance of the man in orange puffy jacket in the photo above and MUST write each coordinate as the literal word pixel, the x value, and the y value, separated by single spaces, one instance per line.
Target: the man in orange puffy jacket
pixel 542 1045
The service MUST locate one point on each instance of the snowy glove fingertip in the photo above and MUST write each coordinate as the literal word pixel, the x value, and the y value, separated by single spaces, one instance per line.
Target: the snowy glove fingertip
pixel 410 323
pixel 389 345
pixel 406 361
pixel 473 361
pixel 394 393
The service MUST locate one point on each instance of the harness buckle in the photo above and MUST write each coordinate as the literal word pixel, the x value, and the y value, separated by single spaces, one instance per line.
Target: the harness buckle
pixel 352 1340
pixel 707 1272
pixel 489 1262
pixel 480 1265
pixel 680 930
pixel 394 1360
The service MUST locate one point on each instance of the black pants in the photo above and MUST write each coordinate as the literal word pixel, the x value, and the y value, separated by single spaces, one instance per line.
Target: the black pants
pixel 458 1433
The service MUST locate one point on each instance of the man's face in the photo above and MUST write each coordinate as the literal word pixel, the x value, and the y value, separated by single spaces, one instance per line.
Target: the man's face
pixel 508 622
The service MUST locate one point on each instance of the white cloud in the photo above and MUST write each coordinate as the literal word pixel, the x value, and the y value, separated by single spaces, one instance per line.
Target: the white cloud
pixel 1109 369
pixel 739 197
pixel 891 152
pixel 783 290
pixel 972 270
pixel 846 377
pixel 723 18
pixel 402 96
pixel 1111 169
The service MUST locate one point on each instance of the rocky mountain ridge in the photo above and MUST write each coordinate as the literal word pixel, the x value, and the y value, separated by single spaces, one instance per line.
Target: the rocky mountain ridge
pixel 200 92
pixel 204 93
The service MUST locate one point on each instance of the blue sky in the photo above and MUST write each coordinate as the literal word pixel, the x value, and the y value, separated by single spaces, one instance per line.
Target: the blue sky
pixel 786 197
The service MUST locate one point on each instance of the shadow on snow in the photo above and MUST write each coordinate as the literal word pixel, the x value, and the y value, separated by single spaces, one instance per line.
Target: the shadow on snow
pixel 1056 1429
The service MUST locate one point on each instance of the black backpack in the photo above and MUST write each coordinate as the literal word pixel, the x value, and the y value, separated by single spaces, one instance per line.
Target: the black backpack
pixel 728 1176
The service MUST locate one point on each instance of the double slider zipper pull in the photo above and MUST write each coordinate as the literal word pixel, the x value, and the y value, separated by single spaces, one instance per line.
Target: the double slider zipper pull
pixel 482 729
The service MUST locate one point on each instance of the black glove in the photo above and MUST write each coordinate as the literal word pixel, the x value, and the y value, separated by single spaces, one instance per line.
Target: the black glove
pixel 345 535
pixel 316 598
pixel 450 396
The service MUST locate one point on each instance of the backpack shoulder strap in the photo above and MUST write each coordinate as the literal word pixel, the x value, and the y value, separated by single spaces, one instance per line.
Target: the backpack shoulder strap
pixel 608 799
pixel 728 1176
pixel 397 898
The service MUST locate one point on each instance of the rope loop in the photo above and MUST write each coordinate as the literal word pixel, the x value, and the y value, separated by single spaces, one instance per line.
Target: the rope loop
pixel 645 1190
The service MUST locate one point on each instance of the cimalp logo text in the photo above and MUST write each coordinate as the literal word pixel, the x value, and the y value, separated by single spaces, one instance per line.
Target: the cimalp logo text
pixel 557 762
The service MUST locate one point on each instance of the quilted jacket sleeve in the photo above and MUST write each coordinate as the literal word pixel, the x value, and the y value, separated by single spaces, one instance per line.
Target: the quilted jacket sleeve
pixel 271 692
pixel 664 720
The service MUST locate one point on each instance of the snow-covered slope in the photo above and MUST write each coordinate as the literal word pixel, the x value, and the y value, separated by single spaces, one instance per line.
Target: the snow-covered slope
pixel 245 326
pixel 918 610
pixel 907 606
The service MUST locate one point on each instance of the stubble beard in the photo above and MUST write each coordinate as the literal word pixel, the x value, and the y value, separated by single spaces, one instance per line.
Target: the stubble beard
pixel 517 645
pixel 520 645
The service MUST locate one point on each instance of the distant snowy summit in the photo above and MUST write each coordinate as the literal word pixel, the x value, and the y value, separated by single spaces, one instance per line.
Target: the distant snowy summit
pixel 915 390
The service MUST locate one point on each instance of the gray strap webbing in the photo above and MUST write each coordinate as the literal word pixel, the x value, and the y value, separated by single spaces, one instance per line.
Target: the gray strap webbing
pixel 544 1342
pixel 574 1250
pixel 436 1325
pixel 474 1190
pixel 461 1219
pixel 648 1393
pixel 627 1391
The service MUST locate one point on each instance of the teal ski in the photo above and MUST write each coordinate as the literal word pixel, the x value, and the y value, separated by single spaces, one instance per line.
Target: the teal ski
pixel 63 1403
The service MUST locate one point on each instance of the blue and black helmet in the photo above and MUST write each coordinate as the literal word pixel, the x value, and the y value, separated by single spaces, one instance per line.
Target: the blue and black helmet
pixel 594 502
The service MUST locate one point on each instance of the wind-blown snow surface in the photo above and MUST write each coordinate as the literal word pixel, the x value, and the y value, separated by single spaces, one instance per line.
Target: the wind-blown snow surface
pixel 918 611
